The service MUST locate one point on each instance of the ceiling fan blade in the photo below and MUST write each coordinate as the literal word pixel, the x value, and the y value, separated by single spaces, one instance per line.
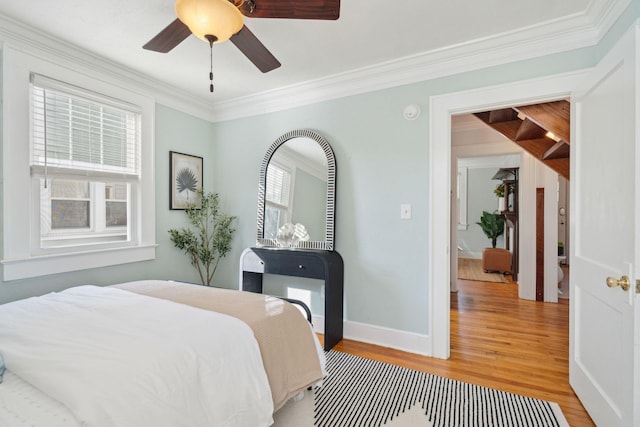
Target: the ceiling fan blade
pixel 292 9
pixel 170 37
pixel 253 49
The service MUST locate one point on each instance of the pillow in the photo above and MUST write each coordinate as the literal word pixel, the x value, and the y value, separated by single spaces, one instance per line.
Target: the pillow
pixel 2 368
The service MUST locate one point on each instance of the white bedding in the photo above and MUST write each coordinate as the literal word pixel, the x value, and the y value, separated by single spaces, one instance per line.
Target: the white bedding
pixel 115 358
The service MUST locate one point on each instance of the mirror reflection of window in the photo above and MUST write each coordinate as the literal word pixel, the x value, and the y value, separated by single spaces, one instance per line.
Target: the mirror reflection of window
pixel 277 199
pixel 306 164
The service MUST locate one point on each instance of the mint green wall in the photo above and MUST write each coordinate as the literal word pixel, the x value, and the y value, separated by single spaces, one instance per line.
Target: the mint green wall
pixel 175 131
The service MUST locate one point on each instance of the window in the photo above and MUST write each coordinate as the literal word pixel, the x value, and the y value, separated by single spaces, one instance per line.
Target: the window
pixel 79 133
pixel 79 189
pixel 277 200
pixel 82 212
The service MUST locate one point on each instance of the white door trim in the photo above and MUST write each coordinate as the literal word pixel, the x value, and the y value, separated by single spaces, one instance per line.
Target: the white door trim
pixel 441 109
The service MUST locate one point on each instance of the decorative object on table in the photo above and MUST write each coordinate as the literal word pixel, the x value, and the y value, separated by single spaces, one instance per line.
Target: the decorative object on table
pixel 290 234
pixel 185 175
pixel 492 225
pixel 560 249
pixel 499 192
pixel 211 240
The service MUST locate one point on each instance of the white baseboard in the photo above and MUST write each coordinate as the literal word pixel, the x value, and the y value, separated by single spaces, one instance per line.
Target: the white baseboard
pixel 468 254
pixel 400 340
pixel 318 323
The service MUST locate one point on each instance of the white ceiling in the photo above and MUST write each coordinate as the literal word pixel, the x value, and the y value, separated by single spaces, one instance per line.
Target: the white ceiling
pixel 467 129
pixel 369 33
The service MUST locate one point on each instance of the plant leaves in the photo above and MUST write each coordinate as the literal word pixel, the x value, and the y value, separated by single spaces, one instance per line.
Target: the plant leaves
pixel 209 238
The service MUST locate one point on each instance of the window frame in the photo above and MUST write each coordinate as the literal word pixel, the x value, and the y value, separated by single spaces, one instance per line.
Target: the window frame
pixel 20 261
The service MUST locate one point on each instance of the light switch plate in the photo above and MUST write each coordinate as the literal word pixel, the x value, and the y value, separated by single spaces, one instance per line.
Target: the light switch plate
pixel 405 211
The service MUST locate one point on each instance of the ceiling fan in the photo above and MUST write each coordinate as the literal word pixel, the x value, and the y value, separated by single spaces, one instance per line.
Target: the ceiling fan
pixel 220 20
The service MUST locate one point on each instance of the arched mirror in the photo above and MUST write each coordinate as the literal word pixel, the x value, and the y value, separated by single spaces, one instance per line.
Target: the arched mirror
pixel 297 189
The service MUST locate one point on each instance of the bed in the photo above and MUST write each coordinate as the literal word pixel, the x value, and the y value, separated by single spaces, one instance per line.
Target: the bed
pixel 155 353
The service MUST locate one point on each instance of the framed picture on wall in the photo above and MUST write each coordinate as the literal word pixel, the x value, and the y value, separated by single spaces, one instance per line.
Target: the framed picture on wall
pixel 185 180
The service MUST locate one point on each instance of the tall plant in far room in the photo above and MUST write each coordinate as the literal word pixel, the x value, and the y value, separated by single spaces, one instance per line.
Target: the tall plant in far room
pixel 492 225
pixel 209 238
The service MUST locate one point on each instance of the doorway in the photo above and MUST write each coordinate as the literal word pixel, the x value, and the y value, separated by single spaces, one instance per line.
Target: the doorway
pixel 478 153
pixel 442 109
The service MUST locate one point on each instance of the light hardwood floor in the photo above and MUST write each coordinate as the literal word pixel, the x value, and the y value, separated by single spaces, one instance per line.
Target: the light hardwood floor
pixel 499 341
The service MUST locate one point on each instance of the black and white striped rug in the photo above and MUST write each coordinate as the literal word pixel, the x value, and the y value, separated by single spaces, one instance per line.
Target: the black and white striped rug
pixel 366 393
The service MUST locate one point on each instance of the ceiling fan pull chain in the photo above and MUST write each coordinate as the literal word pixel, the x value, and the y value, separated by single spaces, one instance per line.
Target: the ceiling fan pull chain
pixel 211 39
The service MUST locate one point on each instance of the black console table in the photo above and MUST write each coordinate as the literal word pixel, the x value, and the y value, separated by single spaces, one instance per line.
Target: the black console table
pixel 313 264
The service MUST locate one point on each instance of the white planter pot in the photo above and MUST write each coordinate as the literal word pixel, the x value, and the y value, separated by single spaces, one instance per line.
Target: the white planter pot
pixel 500 204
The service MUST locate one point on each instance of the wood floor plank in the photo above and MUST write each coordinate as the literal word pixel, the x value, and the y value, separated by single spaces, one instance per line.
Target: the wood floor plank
pixel 499 341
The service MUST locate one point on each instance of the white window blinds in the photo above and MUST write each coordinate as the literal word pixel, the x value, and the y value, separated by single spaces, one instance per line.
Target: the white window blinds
pixel 78 132
pixel 278 185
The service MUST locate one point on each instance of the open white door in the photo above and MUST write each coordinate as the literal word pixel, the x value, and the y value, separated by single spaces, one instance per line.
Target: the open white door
pixel 604 355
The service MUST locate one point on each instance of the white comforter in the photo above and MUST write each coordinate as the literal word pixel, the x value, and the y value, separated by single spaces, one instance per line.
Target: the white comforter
pixel 115 358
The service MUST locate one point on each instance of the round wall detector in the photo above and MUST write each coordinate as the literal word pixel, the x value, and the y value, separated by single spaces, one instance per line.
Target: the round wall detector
pixel 411 111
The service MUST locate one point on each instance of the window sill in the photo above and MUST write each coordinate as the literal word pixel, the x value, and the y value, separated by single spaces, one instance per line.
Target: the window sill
pixel 63 263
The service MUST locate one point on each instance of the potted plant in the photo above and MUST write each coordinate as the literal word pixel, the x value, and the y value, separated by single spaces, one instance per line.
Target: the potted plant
pixel 492 225
pixel 210 239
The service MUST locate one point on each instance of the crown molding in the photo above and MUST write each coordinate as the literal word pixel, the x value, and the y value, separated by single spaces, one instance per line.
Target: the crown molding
pixel 35 42
pixel 555 36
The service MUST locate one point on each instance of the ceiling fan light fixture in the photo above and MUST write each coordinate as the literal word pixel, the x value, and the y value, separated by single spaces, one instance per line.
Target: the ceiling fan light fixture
pixel 210 17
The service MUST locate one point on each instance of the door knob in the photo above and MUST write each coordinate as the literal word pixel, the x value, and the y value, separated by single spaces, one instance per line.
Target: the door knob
pixel 623 283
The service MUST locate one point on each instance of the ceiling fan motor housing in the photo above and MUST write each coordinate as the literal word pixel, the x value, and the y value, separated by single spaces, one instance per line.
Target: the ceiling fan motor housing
pixel 245 6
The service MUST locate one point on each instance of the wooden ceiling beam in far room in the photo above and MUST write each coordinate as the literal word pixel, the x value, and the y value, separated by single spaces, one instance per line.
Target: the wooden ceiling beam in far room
pixel 529 130
pixel 560 150
pixel 539 129
pixel 553 116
